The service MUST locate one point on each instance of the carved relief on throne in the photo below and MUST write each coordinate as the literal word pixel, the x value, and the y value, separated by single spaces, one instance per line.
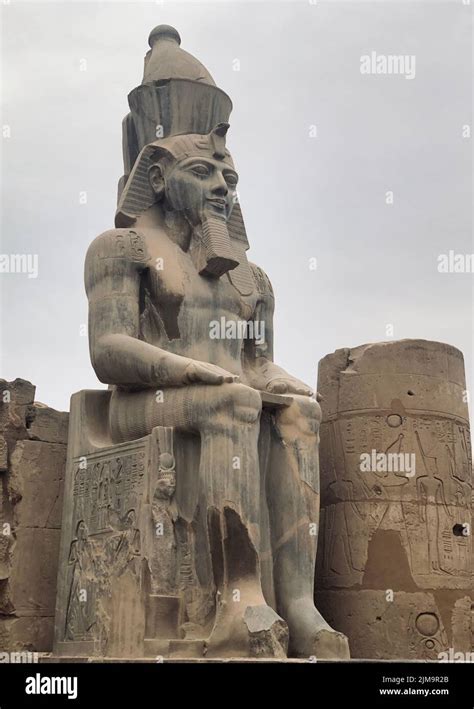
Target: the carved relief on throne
pixel 106 546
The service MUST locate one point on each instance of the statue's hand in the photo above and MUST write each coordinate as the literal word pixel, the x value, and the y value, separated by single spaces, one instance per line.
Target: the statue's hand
pixel 204 373
pixel 288 385
pixel 268 376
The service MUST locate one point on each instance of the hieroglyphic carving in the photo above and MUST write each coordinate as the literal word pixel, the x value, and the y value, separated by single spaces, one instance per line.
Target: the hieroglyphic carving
pixel 422 508
pixel 106 486
pixel 129 244
pixel 434 512
pixel 427 635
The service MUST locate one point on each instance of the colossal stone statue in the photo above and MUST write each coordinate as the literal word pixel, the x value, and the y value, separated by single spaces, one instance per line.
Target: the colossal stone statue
pixel 192 489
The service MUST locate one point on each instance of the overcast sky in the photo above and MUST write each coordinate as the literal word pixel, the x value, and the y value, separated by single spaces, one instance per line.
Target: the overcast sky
pixel 302 197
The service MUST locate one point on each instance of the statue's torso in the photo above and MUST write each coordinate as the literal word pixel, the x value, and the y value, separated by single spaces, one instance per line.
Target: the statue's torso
pixel 181 311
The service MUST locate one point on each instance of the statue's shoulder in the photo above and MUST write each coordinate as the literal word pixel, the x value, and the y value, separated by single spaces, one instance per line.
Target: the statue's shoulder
pixel 262 281
pixel 123 244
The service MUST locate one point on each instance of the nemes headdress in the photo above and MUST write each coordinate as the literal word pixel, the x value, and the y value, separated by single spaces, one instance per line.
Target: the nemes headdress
pixel 179 102
pixel 138 194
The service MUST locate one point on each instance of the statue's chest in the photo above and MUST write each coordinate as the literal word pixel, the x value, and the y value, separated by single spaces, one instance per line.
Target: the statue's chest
pixel 174 297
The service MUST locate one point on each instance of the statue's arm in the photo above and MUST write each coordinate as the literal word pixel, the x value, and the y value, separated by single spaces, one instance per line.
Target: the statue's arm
pixel 260 369
pixel 113 270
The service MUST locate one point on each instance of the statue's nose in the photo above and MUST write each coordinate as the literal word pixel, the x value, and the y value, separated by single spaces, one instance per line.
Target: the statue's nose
pixel 219 187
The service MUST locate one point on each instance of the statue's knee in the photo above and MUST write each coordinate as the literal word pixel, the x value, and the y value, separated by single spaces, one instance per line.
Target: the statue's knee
pixel 303 416
pixel 237 402
pixel 309 409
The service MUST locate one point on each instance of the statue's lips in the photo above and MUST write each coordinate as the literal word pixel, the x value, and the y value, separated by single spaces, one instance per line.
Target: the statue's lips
pixel 218 203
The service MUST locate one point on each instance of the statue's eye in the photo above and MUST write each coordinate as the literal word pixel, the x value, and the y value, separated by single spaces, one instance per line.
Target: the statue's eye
pixel 200 170
pixel 231 179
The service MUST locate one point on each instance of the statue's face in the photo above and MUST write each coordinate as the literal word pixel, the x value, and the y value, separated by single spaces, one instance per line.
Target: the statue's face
pixel 200 186
pixel 165 486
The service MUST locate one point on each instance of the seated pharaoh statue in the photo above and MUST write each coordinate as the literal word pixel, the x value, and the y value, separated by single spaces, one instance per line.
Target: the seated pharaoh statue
pixel 180 329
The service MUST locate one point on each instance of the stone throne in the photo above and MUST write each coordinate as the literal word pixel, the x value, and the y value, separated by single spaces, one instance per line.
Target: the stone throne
pixel 163 545
pixel 132 540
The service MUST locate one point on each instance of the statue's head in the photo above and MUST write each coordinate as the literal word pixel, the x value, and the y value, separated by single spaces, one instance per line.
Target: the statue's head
pixel 184 183
pixel 81 530
pixel 165 486
pixel 194 175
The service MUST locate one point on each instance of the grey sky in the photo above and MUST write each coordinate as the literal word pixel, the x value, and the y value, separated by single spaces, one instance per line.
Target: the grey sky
pixel 302 197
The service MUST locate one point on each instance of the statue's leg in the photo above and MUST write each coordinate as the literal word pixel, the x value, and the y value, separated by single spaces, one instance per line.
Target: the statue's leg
pixel 293 499
pixel 245 624
pixel 227 419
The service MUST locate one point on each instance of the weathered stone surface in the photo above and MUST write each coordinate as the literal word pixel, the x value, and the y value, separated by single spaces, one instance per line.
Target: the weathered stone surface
pixel 3 454
pixel 45 424
pixel 13 421
pixel 19 392
pixel 396 493
pixel 15 399
pixel 177 520
pixel 32 474
pixel 413 626
pixel 36 481
pixel 268 633
pixel 31 588
pixel 33 633
pixel 6 542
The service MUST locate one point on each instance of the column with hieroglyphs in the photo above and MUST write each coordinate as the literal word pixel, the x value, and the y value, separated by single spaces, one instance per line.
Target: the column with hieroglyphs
pixel 395 553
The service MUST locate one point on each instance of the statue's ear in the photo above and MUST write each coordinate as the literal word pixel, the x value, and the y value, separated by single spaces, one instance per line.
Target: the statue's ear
pixel 157 182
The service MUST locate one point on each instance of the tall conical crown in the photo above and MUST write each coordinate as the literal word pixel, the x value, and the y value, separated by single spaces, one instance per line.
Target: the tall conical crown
pixel 177 95
pixel 166 60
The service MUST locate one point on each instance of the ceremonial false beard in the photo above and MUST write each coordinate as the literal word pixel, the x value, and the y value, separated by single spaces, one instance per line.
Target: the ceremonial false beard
pixel 211 248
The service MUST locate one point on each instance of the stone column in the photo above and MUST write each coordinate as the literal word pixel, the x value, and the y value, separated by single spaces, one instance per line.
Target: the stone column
pixel 395 554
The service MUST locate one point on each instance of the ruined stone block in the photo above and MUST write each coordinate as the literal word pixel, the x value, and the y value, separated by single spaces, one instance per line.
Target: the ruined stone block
pixel 46 424
pixel 33 633
pixel 31 476
pixel 36 480
pixel 19 392
pixel 31 586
